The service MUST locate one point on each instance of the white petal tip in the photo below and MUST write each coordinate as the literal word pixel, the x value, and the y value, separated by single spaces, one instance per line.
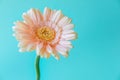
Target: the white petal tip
pixel 20 50
pixel 13 28
pixel 13 35
pixel 57 58
pixel 14 23
pixel 46 8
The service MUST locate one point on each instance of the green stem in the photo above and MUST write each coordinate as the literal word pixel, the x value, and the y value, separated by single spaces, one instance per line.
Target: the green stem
pixel 37 68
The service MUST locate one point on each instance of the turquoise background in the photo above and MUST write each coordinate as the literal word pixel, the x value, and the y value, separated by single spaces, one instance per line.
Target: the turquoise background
pixel 96 52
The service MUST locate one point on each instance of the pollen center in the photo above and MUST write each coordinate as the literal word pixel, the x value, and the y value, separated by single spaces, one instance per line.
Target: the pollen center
pixel 45 33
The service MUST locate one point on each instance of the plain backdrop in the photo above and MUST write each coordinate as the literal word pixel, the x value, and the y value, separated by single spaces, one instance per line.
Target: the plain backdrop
pixel 96 52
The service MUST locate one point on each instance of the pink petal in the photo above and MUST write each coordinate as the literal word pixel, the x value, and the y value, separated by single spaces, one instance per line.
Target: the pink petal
pixel 64 21
pixel 46 13
pixel 38 49
pixel 69 26
pixel 67 32
pixel 61 49
pixel 27 19
pixel 69 36
pixel 49 49
pixel 57 16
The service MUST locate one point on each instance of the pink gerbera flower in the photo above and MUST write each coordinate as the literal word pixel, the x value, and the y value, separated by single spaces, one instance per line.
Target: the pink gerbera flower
pixel 47 33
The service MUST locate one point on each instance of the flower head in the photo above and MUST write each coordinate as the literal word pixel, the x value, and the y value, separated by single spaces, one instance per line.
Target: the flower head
pixel 47 33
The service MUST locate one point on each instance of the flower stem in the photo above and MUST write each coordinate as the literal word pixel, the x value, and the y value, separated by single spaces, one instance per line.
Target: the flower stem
pixel 37 68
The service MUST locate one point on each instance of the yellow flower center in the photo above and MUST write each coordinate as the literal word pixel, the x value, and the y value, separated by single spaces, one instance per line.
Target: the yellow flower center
pixel 45 33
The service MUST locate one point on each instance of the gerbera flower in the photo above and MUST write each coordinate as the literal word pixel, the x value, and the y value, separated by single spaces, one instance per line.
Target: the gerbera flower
pixel 47 33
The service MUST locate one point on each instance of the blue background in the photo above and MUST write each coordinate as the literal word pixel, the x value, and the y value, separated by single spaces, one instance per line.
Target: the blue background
pixel 96 52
